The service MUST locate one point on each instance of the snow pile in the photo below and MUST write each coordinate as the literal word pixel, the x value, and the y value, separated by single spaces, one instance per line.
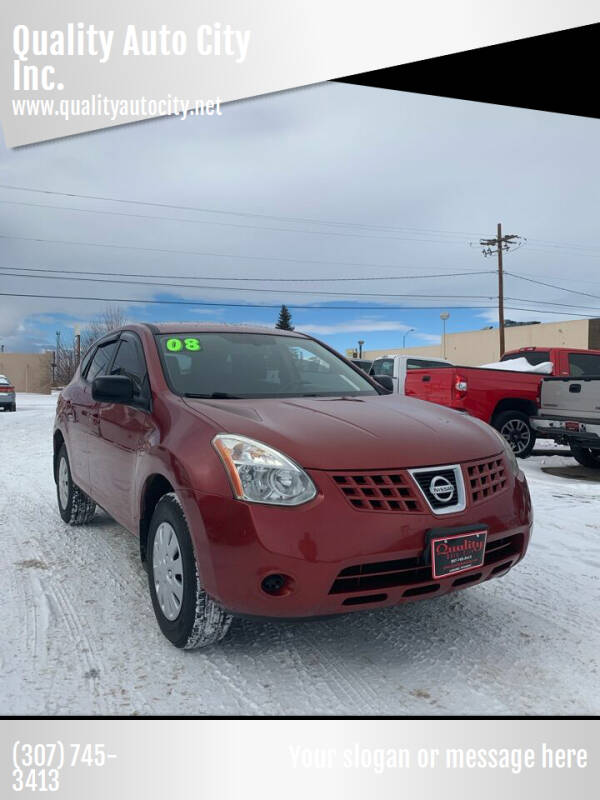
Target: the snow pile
pixel 521 365
pixel 78 634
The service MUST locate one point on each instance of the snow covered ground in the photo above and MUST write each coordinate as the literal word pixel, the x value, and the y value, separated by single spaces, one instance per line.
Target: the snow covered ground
pixel 78 636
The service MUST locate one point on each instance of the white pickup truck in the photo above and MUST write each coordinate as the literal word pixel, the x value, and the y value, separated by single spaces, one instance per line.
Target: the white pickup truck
pixel 569 413
pixel 396 367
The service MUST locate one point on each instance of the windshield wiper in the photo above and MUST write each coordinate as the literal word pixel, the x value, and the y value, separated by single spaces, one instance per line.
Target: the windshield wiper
pixel 213 396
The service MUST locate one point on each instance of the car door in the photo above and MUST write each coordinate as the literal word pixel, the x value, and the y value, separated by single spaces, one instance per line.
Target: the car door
pixel 124 432
pixel 80 412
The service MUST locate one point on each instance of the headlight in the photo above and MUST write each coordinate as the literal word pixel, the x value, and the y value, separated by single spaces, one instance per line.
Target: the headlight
pixel 260 474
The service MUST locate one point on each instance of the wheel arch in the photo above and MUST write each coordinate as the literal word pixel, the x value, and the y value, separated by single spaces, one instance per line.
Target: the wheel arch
pixel 57 442
pixel 155 487
pixel 527 407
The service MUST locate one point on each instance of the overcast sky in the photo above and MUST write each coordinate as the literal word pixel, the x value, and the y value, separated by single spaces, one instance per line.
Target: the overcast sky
pixel 380 185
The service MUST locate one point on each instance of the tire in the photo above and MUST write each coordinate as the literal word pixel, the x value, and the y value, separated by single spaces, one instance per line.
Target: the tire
pixel 13 407
pixel 515 427
pixel 186 615
pixel 586 457
pixel 75 507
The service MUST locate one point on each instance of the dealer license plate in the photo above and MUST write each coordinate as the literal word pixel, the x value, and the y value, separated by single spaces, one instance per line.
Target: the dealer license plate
pixel 457 553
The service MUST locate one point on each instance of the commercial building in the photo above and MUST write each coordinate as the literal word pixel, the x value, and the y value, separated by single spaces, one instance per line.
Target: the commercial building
pixel 28 372
pixel 473 348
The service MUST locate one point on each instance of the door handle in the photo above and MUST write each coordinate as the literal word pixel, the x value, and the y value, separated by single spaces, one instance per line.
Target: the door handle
pixel 426 378
pixel 575 387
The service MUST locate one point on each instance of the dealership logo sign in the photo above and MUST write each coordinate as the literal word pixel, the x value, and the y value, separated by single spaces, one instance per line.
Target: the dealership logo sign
pixel 441 489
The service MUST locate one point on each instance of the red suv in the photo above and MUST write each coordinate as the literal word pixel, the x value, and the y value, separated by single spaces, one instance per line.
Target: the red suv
pixel 266 475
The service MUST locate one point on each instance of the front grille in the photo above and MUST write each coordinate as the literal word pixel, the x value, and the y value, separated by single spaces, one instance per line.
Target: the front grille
pixel 486 478
pixel 410 571
pixel 376 491
pixel 424 480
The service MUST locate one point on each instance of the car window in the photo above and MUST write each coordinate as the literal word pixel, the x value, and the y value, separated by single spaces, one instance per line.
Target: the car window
pixel 255 365
pixel 101 360
pixel 4 381
pixel 85 362
pixel 130 361
pixel 383 366
pixel 424 363
pixel 584 364
pixel 533 357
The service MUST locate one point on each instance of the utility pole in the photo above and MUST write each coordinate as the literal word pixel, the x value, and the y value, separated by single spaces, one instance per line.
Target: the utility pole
pixel 502 244
pixel 57 357
pixel 360 347
pixel 77 346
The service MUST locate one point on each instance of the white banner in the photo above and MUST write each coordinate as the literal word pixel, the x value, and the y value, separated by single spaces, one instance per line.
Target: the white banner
pixel 71 67
pixel 299 759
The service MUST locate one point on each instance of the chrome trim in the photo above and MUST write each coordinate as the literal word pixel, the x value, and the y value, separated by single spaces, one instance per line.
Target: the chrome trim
pixel 461 502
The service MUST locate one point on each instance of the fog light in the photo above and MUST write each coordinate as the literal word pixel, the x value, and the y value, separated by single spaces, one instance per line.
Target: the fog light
pixel 276 585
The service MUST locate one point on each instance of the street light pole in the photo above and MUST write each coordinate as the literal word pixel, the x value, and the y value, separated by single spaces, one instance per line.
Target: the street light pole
pixel 444 316
pixel 410 330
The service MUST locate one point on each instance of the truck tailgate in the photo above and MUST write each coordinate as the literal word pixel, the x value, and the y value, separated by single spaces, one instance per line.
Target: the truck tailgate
pixel 571 398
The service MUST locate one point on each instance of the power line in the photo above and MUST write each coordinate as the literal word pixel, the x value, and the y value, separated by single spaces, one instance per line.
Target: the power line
pixel 292 291
pixel 269 278
pixel 222 224
pixel 564 245
pixel 552 285
pixel 206 210
pixel 263 305
pixel 284 259
pixel 247 289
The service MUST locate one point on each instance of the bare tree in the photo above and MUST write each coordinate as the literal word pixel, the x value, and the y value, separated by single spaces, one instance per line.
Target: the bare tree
pixel 66 357
pixel 66 364
pixel 112 317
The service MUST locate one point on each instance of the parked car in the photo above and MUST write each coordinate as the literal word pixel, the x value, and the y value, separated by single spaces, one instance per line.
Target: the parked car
pixel 570 414
pixel 8 397
pixel 503 398
pixel 362 363
pixel 266 475
pixel 395 367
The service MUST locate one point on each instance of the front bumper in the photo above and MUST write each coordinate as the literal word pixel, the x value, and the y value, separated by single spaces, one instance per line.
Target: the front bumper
pixel 380 555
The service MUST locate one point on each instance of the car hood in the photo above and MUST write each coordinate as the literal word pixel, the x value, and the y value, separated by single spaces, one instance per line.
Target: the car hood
pixel 372 432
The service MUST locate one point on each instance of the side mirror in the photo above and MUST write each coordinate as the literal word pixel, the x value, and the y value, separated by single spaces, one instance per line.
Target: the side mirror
pixel 385 381
pixel 112 389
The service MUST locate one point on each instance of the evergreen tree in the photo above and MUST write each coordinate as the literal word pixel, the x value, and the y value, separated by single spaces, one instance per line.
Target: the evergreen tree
pixel 284 322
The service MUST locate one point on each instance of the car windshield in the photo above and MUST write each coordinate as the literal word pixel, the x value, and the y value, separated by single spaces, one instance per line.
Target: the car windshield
pixel 231 365
pixel 4 381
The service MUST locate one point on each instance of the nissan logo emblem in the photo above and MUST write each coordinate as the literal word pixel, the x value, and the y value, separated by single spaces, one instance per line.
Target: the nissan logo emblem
pixel 441 489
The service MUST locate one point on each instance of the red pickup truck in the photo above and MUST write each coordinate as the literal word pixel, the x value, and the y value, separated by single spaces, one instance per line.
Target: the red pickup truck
pixel 503 398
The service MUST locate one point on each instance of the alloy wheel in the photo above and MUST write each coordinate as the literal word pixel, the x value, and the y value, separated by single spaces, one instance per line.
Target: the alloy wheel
pixel 518 434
